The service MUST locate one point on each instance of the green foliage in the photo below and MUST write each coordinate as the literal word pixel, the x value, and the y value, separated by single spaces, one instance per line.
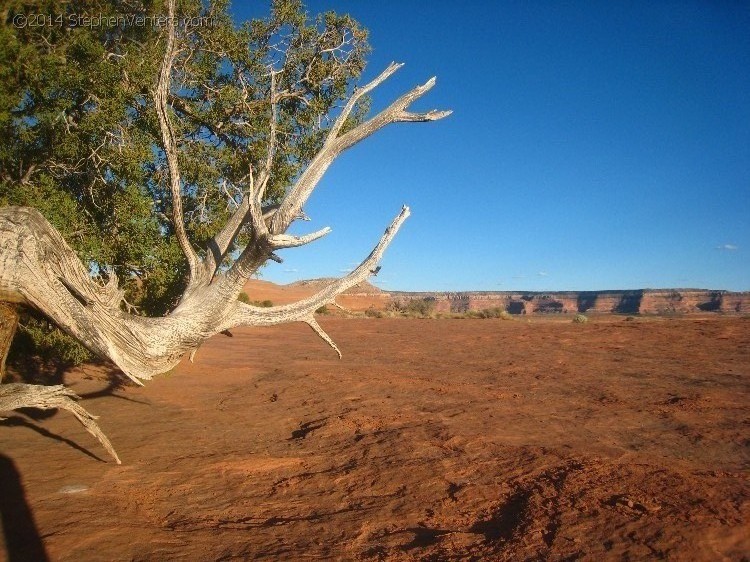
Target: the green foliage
pixel 420 307
pixel 413 308
pixel 495 312
pixel 323 310
pixel 243 297
pixel 580 318
pixel 38 337
pixel 81 141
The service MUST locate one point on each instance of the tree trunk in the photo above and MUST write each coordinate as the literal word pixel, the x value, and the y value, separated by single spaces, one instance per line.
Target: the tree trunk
pixel 39 269
pixel 8 325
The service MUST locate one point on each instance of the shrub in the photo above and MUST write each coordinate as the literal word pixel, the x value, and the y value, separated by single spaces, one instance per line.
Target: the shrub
pixel 495 312
pixel 262 304
pixel 420 307
pixel 373 313
pixel 489 313
pixel 37 336
pixel 395 307
pixel 413 308
pixel 580 318
pixel 323 310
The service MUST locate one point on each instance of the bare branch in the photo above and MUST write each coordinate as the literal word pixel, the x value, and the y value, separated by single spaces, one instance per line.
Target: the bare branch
pixel 220 244
pixel 343 308
pixel 17 395
pixel 27 175
pixel 245 314
pixel 170 149
pixel 434 115
pixel 266 173
pixel 279 241
pixel 318 330
pixel 334 146
pixel 358 93
pixel 291 207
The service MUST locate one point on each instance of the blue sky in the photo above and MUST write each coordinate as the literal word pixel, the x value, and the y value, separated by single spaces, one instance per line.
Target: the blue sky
pixel 593 145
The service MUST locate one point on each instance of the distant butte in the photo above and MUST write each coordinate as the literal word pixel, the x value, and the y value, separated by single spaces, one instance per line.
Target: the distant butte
pixel 641 301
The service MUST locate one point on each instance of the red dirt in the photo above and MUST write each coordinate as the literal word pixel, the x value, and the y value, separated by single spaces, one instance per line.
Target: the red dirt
pixel 429 440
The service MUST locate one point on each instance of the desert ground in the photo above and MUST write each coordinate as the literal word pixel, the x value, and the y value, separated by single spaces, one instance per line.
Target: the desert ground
pixel 460 439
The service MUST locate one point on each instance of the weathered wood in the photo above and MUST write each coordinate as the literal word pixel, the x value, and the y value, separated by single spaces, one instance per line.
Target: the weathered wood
pixel 39 269
pixel 141 347
pixel 17 395
pixel 8 325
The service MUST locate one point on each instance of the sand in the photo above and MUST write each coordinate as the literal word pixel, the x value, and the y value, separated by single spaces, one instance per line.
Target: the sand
pixel 430 440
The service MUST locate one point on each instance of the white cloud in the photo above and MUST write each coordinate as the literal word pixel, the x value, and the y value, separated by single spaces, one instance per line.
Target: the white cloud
pixel 542 274
pixel 291 270
pixel 728 247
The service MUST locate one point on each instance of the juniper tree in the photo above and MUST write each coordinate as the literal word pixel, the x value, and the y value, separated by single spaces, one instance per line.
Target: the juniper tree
pixel 153 163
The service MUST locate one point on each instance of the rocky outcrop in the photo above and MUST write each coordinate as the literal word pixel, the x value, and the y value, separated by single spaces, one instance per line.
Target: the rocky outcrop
pixel 643 301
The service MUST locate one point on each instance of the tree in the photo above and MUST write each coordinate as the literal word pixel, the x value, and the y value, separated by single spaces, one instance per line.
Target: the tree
pixel 199 145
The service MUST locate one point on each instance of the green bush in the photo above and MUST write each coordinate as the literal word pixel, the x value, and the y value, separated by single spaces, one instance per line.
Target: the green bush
pixel 39 337
pixel 420 307
pixel 495 312
pixel 373 313
pixel 262 304
pixel 323 310
pixel 580 319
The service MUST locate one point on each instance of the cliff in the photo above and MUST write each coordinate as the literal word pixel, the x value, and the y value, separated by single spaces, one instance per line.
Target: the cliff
pixel 643 301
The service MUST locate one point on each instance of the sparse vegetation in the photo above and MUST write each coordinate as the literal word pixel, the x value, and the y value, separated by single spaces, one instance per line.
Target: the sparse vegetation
pixel 246 299
pixel 425 308
pixel 495 312
pixel 580 318
pixel 411 308
pixel 38 336
pixel 422 308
